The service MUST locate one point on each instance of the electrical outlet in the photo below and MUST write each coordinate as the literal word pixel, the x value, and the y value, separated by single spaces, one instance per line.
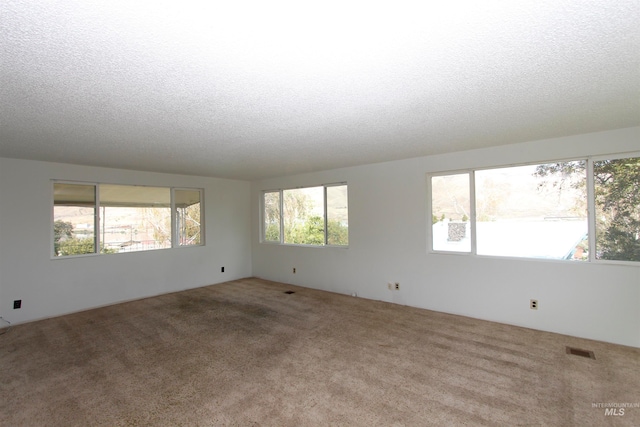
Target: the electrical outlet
pixel 17 304
pixel 396 286
pixel 294 270
pixel 533 304
pixel 222 270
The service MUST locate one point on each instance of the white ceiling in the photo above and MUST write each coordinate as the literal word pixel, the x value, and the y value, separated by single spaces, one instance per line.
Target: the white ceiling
pixel 249 90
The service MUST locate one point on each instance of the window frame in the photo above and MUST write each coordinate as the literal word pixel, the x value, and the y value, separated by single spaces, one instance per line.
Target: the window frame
pixel 175 233
pixel 326 214
pixel 263 229
pixel 472 211
pixel 591 208
pixel 96 223
pixel 281 191
pixel 98 218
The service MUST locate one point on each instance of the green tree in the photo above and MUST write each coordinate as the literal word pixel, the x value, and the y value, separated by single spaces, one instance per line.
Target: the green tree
pixel 337 233
pixel 617 192
pixel 272 216
pixel 76 246
pixel 301 225
pixel 307 232
pixel 272 232
pixel 296 209
pixel 67 243
pixel 81 246
pixel 61 230
pixel 312 231
pixel 617 200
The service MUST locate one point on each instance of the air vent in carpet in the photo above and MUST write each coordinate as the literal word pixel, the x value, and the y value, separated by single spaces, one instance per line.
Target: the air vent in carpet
pixel 582 353
pixel 289 292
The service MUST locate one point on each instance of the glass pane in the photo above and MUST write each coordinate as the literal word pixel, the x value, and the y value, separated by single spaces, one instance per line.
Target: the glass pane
pixel 271 215
pixel 537 211
pixel 450 208
pixel 74 209
pixel 134 218
pixel 337 215
pixel 617 193
pixel 303 216
pixel 188 205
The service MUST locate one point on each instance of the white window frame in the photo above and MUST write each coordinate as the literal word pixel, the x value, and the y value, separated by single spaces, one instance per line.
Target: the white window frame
pixel 590 183
pixel 175 233
pixel 96 221
pixel 472 211
pixel 281 200
pixel 175 244
pixel 263 230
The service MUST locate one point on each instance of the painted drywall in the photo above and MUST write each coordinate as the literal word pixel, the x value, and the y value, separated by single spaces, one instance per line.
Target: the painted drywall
pixel 388 223
pixel 50 287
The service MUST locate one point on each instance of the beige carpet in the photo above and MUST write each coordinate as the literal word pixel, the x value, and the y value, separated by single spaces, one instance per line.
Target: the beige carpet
pixel 245 353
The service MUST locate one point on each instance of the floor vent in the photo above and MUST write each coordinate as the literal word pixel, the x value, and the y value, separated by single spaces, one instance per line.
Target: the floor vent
pixel 582 353
pixel 289 292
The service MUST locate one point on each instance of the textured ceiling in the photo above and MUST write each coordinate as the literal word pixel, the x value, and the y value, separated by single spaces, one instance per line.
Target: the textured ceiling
pixel 257 89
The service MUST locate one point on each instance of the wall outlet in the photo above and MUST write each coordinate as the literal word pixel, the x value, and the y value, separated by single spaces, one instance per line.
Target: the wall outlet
pixel 222 270
pixel 17 304
pixel 294 270
pixel 396 286
pixel 533 304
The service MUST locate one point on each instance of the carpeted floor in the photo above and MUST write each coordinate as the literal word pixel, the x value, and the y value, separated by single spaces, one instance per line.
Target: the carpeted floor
pixel 245 353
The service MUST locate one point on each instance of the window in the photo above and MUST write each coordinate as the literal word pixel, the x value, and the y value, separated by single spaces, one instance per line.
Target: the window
pixel 303 216
pixel 74 219
pixel 337 215
pixel 128 218
pixel 451 207
pixel 314 216
pixel 540 211
pixel 134 218
pixel 271 216
pixel 188 216
pixel 528 211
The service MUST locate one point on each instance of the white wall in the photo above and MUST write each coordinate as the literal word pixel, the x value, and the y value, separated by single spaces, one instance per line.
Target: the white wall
pixel 388 242
pixel 50 287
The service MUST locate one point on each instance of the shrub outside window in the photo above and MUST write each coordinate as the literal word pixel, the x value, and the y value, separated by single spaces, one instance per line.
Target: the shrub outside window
pixel 271 225
pixel 315 216
pixel 74 219
pixel 337 215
